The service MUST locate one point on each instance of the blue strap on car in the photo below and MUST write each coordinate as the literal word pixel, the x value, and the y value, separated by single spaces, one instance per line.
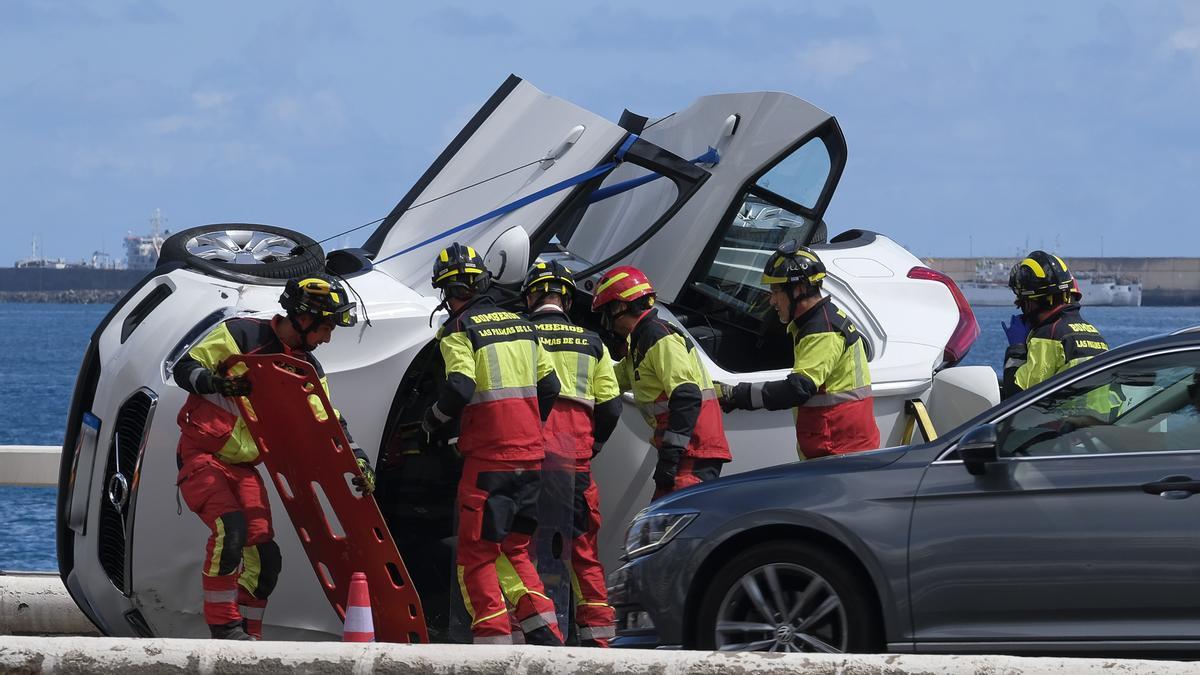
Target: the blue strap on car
pixel 529 199
pixel 710 157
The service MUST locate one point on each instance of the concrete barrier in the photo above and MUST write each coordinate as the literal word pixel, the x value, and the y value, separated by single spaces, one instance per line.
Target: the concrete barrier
pixel 79 655
pixel 38 604
pixel 29 465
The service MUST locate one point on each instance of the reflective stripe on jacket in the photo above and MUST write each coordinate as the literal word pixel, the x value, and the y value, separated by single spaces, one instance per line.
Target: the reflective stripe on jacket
pixel 213 423
pixel 673 389
pixel 589 401
pixel 494 371
pixel 829 386
pixel 1060 341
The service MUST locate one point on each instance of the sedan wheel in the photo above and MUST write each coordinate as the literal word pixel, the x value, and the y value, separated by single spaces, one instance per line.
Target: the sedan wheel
pixel 781 607
pixel 787 597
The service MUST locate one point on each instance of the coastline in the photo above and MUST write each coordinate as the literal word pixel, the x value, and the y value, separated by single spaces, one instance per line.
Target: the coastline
pixel 66 297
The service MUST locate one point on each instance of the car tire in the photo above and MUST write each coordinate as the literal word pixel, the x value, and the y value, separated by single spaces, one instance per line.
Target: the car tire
pixel 248 251
pixel 839 614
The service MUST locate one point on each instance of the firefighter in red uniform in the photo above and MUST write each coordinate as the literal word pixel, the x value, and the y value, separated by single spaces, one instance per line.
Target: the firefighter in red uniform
pixel 501 386
pixel 670 384
pixel 830 382
pixel 217 455
pixel 584 416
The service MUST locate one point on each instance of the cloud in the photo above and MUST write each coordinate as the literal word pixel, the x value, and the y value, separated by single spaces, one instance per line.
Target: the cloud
pixel 1184 40
pixel 313 116
pixel 833 60
pixel 209 109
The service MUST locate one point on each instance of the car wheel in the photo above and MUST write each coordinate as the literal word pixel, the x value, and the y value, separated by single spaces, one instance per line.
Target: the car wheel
pixel 244 250
pixel 787 597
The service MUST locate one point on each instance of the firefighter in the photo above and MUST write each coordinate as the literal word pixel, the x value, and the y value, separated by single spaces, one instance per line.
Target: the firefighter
pixel 500 385
pixel 670 384
pixel 583 418
pixel 217 455
pixel 830 383
pixel 1049 335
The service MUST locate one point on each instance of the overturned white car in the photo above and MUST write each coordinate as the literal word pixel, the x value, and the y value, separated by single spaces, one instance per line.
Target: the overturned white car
pixel 698 199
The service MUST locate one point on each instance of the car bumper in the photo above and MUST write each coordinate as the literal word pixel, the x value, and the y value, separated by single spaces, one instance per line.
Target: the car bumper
pixel 649 594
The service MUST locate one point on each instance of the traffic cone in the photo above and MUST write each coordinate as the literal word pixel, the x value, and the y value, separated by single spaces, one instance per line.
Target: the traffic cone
pixel 358 627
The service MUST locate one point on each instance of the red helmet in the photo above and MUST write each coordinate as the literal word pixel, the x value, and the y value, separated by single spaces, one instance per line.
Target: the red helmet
pixel 621 284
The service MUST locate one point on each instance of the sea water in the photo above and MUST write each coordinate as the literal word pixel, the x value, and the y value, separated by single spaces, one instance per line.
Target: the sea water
pixel 43 345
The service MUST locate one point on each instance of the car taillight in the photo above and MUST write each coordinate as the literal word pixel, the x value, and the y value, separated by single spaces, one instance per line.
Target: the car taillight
pixel 967 330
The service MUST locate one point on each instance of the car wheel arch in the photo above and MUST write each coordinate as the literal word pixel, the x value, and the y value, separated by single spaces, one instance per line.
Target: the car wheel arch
pixel 728 549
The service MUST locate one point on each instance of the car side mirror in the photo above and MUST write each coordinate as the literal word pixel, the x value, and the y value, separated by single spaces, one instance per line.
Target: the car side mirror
pixel 508 257
pixel 977 448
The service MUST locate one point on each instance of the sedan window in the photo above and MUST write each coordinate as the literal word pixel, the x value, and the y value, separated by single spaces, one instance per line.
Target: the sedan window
pixel 1147 405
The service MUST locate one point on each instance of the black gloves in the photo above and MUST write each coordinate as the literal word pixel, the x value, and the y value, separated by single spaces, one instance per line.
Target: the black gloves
pixel 211 383
pixel 735 396
pixel 596 447
pixel 667 467
pixel 364 483
pixel 432 420
pixel 738 396
pixel 232 386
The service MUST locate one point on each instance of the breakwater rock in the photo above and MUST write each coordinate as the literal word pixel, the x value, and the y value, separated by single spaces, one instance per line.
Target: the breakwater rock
pixel 69 296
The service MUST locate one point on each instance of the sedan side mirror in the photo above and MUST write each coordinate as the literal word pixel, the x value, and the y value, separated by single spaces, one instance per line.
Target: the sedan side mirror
pixel 977 448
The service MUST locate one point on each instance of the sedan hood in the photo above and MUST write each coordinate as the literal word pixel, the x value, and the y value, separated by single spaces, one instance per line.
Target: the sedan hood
pixel 841 464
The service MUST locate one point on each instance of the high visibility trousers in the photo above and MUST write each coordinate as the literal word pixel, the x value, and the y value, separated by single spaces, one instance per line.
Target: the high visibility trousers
pixel 497 513
pixel 242 560
pixel 594 618
pixel 692 472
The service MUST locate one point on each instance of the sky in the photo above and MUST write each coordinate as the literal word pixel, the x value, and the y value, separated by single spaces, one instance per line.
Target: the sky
pixel 973 128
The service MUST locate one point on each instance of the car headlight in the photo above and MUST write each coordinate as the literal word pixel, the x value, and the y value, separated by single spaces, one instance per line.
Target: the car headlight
pixel 651 532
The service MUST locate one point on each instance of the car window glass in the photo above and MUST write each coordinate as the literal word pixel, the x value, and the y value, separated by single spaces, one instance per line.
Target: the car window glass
pixel 725 305
pixel 1147 405
pixel 801 175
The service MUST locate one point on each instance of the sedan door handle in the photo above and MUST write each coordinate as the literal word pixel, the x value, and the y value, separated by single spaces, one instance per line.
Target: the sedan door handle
pixel 1173 487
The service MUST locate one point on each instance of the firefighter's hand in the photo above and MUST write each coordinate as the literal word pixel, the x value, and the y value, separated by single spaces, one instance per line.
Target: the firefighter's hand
pixel 364 483
pixel 231 386
pixel 667 467
pixel 432 420
pixel 596 448
pixel 1016 330
pixel 735 396
pixel 664 475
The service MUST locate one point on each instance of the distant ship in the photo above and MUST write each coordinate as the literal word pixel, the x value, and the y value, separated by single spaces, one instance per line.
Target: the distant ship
pixel 38 276
pixel 141 251
pixel 989 287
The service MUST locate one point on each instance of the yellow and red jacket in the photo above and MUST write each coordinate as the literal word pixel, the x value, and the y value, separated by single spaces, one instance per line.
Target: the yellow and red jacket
pixel 500 383
pixel 589 402
pixel 1060 341
pixel 673 390
pixel 211 424
pixel 829 386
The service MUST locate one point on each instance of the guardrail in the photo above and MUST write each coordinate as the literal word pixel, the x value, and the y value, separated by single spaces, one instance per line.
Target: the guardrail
pixel 29 465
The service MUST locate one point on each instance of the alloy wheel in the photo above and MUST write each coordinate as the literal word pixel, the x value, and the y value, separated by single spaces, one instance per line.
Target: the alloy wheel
pixel 782 607
pixel 243 247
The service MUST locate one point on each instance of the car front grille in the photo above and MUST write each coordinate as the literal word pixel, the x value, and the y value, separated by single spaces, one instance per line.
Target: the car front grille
pixel 120 485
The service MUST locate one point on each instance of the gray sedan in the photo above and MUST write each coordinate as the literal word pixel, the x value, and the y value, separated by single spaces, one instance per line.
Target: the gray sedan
pixel 1062 520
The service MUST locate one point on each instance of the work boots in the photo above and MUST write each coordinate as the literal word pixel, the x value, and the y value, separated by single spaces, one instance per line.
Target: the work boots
pixel 542 636
pixel 229 631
